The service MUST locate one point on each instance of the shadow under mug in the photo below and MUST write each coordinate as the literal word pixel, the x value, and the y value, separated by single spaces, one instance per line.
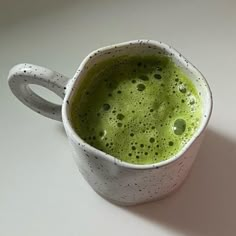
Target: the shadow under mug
pixel 119 182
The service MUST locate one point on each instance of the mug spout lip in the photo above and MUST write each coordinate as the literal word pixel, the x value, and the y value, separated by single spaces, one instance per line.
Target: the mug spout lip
pixel 169 51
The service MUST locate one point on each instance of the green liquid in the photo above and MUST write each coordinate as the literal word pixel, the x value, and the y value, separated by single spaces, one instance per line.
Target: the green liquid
pixel 140 110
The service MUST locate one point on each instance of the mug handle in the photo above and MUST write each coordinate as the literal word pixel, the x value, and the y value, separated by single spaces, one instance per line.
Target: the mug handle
pixel 22 75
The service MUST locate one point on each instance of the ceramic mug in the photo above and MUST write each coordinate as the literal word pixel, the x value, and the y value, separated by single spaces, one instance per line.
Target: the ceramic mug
pixel 119 182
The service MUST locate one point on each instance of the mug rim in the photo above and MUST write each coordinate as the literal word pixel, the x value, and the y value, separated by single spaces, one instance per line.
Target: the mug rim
pixel 82 144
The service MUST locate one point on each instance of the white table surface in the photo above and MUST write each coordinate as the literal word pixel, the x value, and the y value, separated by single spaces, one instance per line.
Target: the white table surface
pixel 41 190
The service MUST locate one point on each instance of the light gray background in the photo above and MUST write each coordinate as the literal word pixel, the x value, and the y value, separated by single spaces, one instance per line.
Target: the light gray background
pixel 41 190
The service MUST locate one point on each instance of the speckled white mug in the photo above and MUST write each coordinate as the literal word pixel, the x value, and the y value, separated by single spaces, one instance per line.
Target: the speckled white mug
pixel 120 182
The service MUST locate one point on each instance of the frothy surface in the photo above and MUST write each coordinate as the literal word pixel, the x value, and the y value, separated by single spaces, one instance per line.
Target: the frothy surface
pixel 139 109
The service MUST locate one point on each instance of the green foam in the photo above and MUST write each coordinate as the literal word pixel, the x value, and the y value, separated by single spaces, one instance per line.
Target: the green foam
pixel 139 109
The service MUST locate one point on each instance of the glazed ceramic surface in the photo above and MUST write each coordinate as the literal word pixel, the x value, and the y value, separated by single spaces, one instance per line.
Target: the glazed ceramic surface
pixel 120 182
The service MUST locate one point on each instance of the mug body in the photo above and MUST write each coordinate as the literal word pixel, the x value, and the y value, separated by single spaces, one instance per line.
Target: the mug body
pixel 124 183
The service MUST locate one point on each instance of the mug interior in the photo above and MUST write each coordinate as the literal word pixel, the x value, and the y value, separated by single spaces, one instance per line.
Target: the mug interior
pixel 137 48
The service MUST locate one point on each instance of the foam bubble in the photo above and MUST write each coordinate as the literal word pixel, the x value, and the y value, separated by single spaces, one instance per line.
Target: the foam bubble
pixel 157 76
pixel 152 140
pixel 106 107
pixel 182 89
pixel 120 116
pixel 171 143
pixel 141 87
pixel 179 126
pixel 192 101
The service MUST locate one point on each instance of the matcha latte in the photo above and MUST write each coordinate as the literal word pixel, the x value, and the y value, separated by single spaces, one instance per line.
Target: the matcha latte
pixel 139 109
